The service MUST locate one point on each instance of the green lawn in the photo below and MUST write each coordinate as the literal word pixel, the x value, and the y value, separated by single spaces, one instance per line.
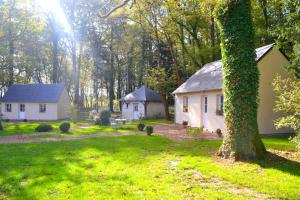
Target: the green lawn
pixel 11 128
pixel 141 167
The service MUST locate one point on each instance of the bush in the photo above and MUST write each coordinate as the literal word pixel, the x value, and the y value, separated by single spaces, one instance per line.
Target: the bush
pixel 44 128
pixel 25 120
pixel 149 130
pixel 1 127
pixel 65 127
pixel 287 103
pixel 185 123
pixel 104 118
pixel 141 127
pixel 195 131
pixel 219 132
pixel 6 120
pixel 93 114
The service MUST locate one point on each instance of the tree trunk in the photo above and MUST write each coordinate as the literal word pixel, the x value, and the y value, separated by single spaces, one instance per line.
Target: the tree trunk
pixel 241 81
pixel 111 73
pixel 166 106
pixel 54 57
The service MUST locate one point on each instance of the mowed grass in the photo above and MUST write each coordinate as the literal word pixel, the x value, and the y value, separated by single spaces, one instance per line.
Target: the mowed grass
pixel 19 128
pixel 141 167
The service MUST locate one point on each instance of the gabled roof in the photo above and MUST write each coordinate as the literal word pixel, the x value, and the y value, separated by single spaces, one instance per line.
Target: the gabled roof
pixel 209 77
pixel 33 93
pixel 143 94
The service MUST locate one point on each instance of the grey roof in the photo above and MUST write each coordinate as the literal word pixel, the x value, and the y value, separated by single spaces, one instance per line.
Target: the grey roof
pixel 209 77
pixel 143 94
pixel 33 93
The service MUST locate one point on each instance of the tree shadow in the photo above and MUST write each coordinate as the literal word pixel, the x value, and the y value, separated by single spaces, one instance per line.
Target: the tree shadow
pixel 281 163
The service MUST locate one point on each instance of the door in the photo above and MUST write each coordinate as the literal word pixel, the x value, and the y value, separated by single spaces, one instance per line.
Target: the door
pixel 136 115
pixel 205 109
pixel 22 114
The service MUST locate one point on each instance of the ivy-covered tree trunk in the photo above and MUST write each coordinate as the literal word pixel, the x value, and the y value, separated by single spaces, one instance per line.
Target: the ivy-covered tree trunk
pixel 241 81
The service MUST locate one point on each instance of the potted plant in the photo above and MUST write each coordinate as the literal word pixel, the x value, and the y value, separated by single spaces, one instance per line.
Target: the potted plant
pixel 185 124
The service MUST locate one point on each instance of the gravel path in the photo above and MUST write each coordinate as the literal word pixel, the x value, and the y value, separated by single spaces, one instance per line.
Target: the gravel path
pixel 30 138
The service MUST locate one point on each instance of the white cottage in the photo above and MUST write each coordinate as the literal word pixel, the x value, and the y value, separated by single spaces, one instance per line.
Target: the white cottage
pixel 36 102
pixel 142 103
pixel 199 100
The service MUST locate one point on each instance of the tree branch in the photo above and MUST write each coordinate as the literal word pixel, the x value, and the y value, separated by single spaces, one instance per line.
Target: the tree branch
pixel 125 2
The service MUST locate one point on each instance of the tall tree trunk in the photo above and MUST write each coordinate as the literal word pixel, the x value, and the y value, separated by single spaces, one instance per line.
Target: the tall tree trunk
pixel 54 57
pixel 142 64
pixel 111 73
pixel 11 45
pixel 241 81
pixel 166 106
pixel 129 74
pixel 212 34
pixel 119 83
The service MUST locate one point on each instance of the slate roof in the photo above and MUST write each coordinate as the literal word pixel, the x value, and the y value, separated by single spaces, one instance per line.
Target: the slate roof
pixel 33 93
pixel 143 94
pixel 209 77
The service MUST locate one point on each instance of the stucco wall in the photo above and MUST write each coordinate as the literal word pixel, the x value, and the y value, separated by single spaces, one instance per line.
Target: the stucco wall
pixel 64 105
pixel 273 63
pixel 195 113
pixel 155 109
pixel 127 113
pixel 32 111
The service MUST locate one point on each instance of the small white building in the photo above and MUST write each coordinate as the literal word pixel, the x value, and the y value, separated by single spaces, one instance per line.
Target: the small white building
pixel 142 103
pixel 199 100
pixel 36 102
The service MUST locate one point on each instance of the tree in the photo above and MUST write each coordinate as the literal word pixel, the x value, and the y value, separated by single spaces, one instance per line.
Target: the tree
pixel 288 103
pixel 241 81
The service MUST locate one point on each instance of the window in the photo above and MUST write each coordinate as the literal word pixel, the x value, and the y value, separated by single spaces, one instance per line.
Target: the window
pixel 8 108
pixel 127 105
pixel 22 107
pixel 136 107
pixel 205 105
pixel 220 105
pixel 185 104
pixel 42 108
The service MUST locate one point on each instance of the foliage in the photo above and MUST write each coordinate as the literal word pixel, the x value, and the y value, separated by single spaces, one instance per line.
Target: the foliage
pixel 141 126
pixel 93 114
pixel 149 130
pixel 74 113
pixel 1 126
pixel 6 120
pixel 219 132
pixel 25 120
pixel 44 128
pixel 103 118
pixel 65 127
pixel 241 139
pixel 195 131
pixel 288 103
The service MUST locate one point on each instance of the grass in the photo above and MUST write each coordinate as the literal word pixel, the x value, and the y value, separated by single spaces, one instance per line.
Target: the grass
pixel 141 167
pixel 11 128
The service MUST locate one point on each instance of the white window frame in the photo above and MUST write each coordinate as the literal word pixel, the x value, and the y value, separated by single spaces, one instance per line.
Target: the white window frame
pixel 8 107
pixel 185 104
pixel 135 107
pixel 43 108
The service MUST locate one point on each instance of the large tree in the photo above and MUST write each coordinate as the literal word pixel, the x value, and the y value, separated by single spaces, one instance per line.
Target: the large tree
pixel 241 81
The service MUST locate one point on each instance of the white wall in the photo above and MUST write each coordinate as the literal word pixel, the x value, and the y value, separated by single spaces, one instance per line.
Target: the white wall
pixel 273 63
pixel 155 109
pixel 64 105
pixel 32 111
pixel 127 113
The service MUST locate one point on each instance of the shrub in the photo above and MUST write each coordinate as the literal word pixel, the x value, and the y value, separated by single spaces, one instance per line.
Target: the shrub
pixel 287 103
pixel 65 127
pixel 185 123
pixel 25 120
pixel 141 126
pixel 104 118
pixel 6 120
pixel 219 132
pixel 44 128
pixel 195 131
pixel 93 114
pixel 149 130
pixel 1 127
